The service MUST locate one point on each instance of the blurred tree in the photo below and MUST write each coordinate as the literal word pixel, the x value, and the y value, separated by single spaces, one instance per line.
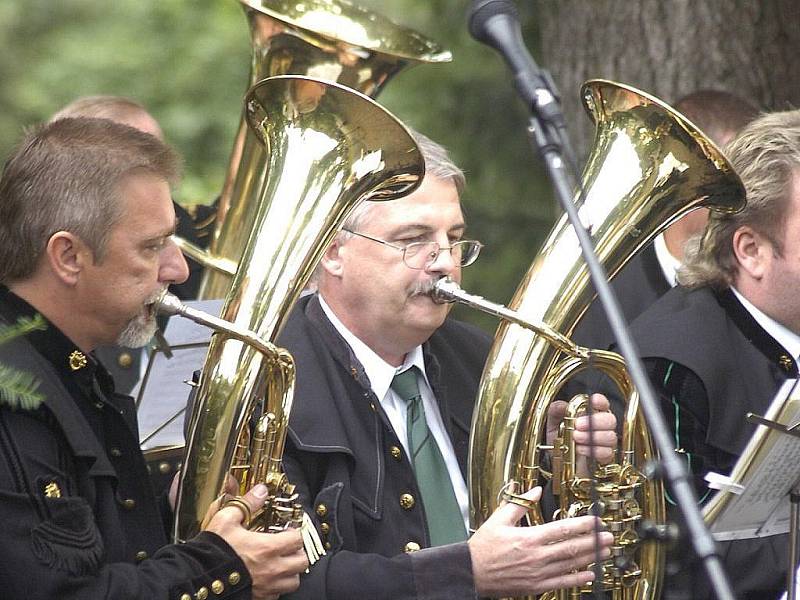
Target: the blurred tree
pixel 672 48
pixel 188 63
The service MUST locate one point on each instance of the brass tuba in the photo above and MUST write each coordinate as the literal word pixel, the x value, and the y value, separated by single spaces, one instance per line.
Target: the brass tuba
pixel 649 166
pixel 328 147
pixel 332 40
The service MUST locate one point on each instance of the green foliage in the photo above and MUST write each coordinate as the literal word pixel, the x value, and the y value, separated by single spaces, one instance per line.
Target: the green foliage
pixel 18 389
pixel 188 62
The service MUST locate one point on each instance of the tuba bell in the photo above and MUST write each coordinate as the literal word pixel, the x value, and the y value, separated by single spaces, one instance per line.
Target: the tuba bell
pixel 649 166
pixel 328 147
pixel 332 40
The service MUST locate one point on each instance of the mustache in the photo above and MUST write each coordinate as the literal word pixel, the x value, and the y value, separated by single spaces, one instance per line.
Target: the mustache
pixel 423 288
pixel 154 296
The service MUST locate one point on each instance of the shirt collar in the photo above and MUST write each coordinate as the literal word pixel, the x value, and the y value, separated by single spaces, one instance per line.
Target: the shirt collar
pixel 784 336
pixel 379 372
pixel 668 263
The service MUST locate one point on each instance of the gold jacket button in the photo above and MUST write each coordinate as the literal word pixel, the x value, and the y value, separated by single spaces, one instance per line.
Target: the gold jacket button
pixel 411 547
pixel 125 360
pixel 217 587
pixel 202 593
pixel 407 501
pixel 141 555
pixel 234 578
pixel 115 452
pixel 786 362
pixel 129 504
pixel 164 468
pixel 321 510
pixel 325 529
pixel 186 597
pixel 396 453
pixel 327 545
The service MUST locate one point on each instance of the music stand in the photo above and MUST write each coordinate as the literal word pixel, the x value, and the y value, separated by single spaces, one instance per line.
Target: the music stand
pixel 753 500
pixel 162 395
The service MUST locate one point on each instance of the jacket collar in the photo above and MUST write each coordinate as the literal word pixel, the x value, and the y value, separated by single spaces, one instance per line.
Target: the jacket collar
pixel 61 370
pixel 774 352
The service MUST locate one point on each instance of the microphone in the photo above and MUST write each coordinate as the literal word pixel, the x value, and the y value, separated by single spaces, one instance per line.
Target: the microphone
pixel 496 24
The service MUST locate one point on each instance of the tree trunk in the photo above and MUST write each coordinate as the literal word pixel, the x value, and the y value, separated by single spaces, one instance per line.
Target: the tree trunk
pixel 669 48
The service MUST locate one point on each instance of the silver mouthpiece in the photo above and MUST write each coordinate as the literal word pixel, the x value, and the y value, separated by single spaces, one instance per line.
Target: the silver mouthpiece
pixel 444 291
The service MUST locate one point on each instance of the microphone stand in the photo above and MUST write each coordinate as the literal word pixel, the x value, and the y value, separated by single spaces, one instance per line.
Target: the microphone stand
pixel 547 136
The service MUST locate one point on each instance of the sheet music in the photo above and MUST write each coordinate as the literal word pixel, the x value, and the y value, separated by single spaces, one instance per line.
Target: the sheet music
pixel 767 470
pixel 164 392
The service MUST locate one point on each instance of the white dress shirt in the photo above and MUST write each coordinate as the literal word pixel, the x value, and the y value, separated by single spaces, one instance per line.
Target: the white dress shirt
pixel 380 375
pixel 784 336
pixel 668 263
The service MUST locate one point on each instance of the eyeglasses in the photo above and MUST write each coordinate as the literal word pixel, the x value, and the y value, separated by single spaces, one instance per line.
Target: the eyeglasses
pixel 421 255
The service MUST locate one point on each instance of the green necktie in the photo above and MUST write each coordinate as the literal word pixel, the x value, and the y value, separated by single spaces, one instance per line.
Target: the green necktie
pixel 442 512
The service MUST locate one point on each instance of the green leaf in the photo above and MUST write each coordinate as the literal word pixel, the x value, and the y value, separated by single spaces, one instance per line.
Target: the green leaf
pixel 23 326
pixel 18 389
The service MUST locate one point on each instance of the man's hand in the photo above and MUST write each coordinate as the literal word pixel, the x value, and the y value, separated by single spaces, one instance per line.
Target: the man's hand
pixel 508 560
pixel 605 435
pixel 274 560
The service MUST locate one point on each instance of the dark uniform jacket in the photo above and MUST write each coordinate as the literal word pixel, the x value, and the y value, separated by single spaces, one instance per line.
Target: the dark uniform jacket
pixel 711 363
pixel 353 475
pixel 640 283
pixel 79 519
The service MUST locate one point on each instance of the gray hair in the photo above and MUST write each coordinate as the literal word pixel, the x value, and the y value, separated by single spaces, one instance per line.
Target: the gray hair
pixel 65 176
pixel 438 164
pixel 766 155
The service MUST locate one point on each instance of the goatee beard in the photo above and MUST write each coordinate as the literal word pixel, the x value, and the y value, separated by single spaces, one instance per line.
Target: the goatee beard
pixel 141 328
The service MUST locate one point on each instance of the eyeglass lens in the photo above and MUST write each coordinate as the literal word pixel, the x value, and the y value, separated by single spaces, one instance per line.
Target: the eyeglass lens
pixel 420 255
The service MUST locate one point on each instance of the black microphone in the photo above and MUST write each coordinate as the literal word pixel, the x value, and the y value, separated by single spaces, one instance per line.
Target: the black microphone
pixel 496 24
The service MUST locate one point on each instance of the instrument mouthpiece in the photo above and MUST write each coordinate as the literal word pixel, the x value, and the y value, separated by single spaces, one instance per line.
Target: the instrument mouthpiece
pixel 168 304
pixel 443 291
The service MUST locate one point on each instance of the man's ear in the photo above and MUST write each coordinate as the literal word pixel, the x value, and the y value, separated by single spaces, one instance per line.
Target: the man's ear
pixel 752 250
pixel 331 261
pixel 67 256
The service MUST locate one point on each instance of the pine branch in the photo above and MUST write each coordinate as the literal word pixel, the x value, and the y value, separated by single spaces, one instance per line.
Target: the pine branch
pixel 19 389
pixel 23 326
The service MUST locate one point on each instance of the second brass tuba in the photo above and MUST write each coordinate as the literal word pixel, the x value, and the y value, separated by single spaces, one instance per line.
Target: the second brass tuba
pixel 328 148
pixel 649 166
pixel 332 40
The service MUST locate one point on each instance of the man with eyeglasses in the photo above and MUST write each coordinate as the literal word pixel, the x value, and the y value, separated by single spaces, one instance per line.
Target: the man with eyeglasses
pixel 379 429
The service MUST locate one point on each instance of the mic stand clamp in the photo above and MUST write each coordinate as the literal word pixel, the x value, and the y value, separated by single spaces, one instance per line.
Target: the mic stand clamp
pixel 540 93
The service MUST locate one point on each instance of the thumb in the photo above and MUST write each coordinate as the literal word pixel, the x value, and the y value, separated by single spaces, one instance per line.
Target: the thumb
pixel 510 513
pixel 255 497
pixel 253 501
